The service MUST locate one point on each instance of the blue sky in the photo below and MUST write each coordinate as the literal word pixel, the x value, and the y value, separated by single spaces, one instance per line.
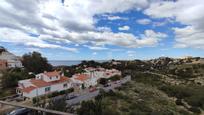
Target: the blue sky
pixel 103 29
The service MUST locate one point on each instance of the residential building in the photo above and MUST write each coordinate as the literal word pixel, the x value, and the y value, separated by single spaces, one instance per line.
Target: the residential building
pixel 12 60
pixel 86 79
pixel 3 64
pixel 49 82
pixel 43 83
pixel 92 75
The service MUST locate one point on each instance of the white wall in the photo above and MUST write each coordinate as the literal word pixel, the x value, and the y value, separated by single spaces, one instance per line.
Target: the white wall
pixel 50 79
pixel 41 91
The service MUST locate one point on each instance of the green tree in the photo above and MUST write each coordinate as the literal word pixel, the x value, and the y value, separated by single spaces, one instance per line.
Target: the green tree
pixel 57 104
pixel 11 77
pixel 93 107
pixel 34 62
pixel 103 81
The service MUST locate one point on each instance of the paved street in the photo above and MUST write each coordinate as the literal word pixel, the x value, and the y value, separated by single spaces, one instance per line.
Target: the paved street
pixel 90 95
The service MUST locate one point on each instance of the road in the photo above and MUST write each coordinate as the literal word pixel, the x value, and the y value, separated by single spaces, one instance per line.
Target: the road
pixel 90 95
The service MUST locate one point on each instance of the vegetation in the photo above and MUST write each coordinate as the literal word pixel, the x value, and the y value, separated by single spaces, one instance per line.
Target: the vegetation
pixel 35 63
pixel 103 81
pixel 69 71
pixel 11 77
pixel 53 104
pixel 54 94
pixel 193 95
pixel 150 93
pixel 141 100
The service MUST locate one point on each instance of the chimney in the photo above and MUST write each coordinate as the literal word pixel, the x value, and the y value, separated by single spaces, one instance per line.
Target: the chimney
pixel 62 74
pixel 92 74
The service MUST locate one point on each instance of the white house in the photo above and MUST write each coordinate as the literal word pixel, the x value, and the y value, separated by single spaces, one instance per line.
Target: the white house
pixel 86 79
pixel 12 60
pixel 92 75
pixel 43 83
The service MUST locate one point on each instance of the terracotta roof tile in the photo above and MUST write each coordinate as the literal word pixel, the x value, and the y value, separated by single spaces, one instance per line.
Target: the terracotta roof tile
pixel 53 73
pixel 41 83
pixel 28 89
pixel 82 77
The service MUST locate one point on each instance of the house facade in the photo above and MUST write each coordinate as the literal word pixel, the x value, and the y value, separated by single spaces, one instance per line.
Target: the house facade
pixel 92 75
pixel 3 64
pixel 49 82
pixel 86 79
pixel 43 83
pixel 12 60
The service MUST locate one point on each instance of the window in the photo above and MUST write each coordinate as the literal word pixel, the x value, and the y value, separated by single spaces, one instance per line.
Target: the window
pixel 47 89
pixel 65 85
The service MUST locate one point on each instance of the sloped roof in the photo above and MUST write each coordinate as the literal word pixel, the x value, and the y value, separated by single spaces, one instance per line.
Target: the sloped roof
pixel 82 77
pixel 51 74
pixel 40 83
pixel 28 89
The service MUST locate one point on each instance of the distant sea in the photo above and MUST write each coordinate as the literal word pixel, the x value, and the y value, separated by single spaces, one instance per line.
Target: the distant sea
pixel 69 62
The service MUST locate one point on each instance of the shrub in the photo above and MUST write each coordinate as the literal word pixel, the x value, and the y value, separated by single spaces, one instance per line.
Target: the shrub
pixel 179 102
pixel 115 78
pixel 195 110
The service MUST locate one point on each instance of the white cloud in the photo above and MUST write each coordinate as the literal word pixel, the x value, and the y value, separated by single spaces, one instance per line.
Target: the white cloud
pixel 148 39
pixel 144 21
pixel 95 47
pixel 124 28
pixel 187 13
pixel 131 53
pixel 18 37
pixel 189 37
pixel 101 29
pixel 94 53
pixel 71 23
pixel 116 18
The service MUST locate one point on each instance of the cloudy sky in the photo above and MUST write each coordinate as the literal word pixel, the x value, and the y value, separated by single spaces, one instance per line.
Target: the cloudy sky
pixel 103 29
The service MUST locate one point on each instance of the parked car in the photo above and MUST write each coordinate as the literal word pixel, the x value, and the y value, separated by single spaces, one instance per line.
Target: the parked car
pixel 20 111
pixel 71 97
pixel 107 85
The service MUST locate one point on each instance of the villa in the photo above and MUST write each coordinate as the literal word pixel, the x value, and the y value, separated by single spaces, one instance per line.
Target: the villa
pixel 92 75
pixel 49 82
pixel 43 83
pixel 11 60
pixel 86 79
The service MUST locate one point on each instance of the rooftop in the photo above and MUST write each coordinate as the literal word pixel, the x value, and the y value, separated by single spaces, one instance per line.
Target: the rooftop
pixel 53 73
pixel 82 77
pixel 37 83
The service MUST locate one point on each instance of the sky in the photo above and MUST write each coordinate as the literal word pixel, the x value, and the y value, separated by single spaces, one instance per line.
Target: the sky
pixel 103 29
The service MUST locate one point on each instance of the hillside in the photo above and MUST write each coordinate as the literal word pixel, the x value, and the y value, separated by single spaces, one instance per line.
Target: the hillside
pixel 163 86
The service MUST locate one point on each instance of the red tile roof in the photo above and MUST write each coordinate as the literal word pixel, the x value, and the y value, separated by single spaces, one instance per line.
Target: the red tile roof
pixel 38 83
pixel 53 73
pixel 28 89
pixel 41 83
pixel 82 77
